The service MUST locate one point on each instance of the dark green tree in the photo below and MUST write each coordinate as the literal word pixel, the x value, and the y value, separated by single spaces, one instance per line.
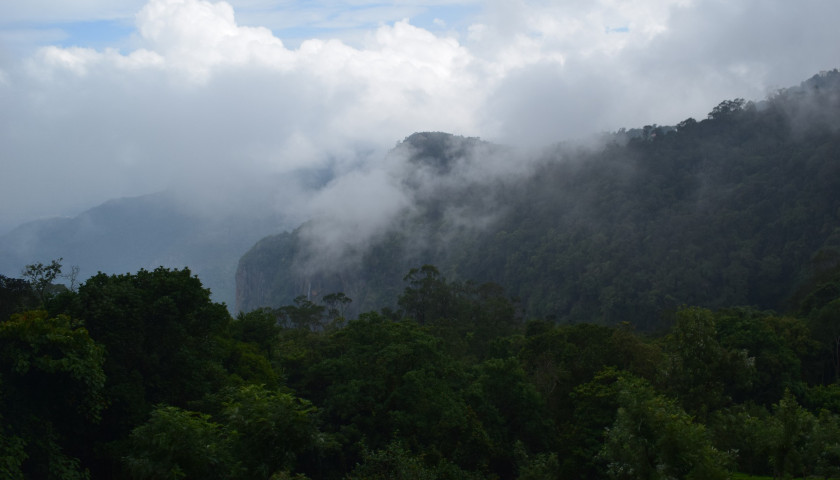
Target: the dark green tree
pixel 427 298
pixel 16 295
pixel 822 452
pixel 378 380
pixel 698 370
pixel 164 338
pixel 787 435
pixel 777 344
pixel 258 327
pixel 727 108
pixel 41 278
pixel 304 314
pixel 511 411
pixel 177 444
pixel 51 394
pixel 653 438
pixel 398 463
pixel 336 305
pixel 268 430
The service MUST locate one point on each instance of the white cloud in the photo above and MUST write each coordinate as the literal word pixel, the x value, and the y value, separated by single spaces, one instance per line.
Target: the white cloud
pixel 199 96
pixel 198 36
pixel 202 97
pixel 343 226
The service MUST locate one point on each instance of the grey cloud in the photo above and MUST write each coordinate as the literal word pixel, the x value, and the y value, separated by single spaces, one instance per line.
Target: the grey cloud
pixel 710 51
pixel 105 124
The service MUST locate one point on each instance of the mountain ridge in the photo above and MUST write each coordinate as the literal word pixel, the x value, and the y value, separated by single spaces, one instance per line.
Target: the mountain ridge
pixel 127 234
pixel 722 211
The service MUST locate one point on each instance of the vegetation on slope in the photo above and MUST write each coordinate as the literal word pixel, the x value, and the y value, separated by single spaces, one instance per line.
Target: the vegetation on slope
pixel 737 209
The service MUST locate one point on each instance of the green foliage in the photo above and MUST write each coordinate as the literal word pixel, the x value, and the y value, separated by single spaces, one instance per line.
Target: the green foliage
pixel 787 435
pixel 303 314
pixel 823 397
pixel 778 346
pixel 51 392
pixel 336 305
pixel 12 455
pixel 16 295
pixel 161 331
pixel 397 463
pixel 269 429
pixel 427 299
pixel 258 327
pixel 825 324
pixel 595 404
pixel 700 371
pixel 244 363
pixel 166 343
pixel 467 317
pixel 254 433
pixel 379 377
pixel 510 410
pixel 653 438
pixel 40 353
pixel 727 109
pixel 393 462
pixel 536 467
pixel 41 278
pixel 823 448
pixel 176 443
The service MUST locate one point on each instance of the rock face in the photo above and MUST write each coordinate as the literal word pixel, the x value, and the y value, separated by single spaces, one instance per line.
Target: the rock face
pixel 255 279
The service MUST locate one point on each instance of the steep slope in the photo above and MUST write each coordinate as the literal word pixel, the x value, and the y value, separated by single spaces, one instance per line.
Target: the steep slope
pixel 723 211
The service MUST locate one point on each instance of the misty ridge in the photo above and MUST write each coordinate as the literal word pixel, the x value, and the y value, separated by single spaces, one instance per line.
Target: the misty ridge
pixel 623 226
pixel 642 219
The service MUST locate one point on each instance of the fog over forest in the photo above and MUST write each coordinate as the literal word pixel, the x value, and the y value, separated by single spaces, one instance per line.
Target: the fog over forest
pixel 292 107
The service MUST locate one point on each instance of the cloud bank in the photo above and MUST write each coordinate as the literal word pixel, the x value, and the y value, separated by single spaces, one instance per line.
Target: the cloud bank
pixel 199 102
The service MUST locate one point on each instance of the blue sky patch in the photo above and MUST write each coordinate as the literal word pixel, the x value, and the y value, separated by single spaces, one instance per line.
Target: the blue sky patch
pixel 95 34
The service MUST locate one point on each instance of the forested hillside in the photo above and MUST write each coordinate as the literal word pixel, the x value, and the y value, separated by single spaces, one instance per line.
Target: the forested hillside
pixel 740 208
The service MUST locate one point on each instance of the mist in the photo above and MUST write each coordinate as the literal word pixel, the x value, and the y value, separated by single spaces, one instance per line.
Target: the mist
pixel 227 117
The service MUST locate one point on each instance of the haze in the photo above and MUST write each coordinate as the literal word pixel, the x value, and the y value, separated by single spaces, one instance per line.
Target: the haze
pixel 215 100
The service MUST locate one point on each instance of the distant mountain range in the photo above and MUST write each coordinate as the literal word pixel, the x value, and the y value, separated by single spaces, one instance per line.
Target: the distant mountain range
pixel 127 234
pixel 740 208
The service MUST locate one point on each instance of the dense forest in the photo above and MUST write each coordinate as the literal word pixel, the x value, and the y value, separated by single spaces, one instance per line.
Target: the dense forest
pixel 740 208
pixel 143 376
pixel 662 305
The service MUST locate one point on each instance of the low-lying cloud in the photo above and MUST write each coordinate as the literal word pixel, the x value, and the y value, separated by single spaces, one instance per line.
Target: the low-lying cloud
pixel 199 103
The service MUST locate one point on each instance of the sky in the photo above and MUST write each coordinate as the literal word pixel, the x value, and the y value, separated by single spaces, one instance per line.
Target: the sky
pixel 102 99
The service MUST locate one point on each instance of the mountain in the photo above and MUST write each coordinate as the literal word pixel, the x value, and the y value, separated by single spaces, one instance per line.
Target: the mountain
pixel 740 208
pixel 127 234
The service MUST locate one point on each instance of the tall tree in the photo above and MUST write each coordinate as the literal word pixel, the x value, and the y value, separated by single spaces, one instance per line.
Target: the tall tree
pixel 41 277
